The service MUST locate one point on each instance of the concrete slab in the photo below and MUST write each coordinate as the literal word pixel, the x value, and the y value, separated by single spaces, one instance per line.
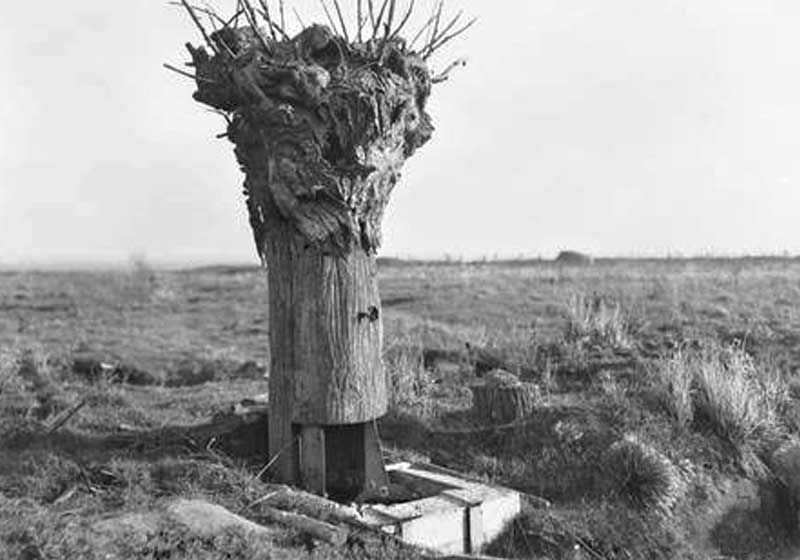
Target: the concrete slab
pixel 454 515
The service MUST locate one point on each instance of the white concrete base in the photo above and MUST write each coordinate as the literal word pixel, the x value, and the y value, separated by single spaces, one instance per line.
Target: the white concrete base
pixel 458 516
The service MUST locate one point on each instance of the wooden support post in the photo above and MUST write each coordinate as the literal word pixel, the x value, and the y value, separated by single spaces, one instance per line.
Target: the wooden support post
pixel 376 481
pixel 312 459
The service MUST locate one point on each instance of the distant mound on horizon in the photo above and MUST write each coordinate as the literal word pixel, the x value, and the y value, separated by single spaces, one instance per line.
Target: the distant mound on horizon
pixel 574 258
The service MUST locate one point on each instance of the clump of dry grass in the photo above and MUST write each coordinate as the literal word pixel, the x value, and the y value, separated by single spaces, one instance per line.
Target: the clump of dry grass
pixel 642 476
pixel 597 321
pixel 28 389
pixel 674 377
pixel 724 387
pixel 739 401
pixel 517 345
pixel 410 384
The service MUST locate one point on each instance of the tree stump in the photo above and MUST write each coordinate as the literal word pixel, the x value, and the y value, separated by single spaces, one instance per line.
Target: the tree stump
pixel 502 398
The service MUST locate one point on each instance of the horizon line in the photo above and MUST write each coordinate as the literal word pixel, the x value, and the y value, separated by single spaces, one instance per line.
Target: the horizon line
pixel 64 264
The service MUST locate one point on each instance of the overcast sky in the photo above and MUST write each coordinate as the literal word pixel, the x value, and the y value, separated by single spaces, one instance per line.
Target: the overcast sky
pixel 621 127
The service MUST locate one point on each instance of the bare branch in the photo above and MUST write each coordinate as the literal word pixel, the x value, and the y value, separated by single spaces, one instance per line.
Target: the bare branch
pixel 282 10
pixel 403 21
pixel 360 22
pixel 435 28
pixel 273 26
pixel 66 415
pixel 225 116
pixel 447 28
pixel 281 31
pixel 328 15
pixel 250 14
pixel 449 38
pixel 267 18
pixel 187 74
pixel 444 75
pixel 422 30
pixel 207 11
pixel 371 12
pixel 377 23
pixel 341 19
pixel 235 18
pixel 390 18
pixel 272 461
pixel 299 19
pixel 213 25
pixel 199 25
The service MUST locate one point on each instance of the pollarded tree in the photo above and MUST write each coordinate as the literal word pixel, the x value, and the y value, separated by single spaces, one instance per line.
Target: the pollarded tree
pixel 322 123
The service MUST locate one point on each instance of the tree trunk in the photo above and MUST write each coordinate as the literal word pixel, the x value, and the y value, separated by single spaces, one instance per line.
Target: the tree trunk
pixel 325 336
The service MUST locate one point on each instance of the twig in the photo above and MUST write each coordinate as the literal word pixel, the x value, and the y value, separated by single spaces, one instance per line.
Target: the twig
pixel 449 38
pixel 445 74
pixel 299 19
pixel 235 18
pixel 265 14
pixel 359 6
pixel 250 14
pixel 227 48
pixel 188 74
pixel 447 28
pixel 371 7
pixel 213 24
pixel 263 498
pixel 199 25
pixel 403 21
pixel 66 415
pixel 65 495
pixel 282 31
pixel 274 459
pixel 341 19
pixel 379 18
pixel 592 552
pixel 422 30
pixel 435 29
pixel 390 18
pixel 208 11
pixel 328 15
pixel 274 26
pixel 282 10
pixel 436 35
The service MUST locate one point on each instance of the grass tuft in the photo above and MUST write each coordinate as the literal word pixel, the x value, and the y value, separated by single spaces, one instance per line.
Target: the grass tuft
pixel 642 476
pixel 724 388
pixel 597 321
pixel 674 378
pixel 729 396
pixel 410 384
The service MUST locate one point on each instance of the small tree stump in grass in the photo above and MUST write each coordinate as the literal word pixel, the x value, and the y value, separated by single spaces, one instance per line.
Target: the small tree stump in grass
pixel 503 398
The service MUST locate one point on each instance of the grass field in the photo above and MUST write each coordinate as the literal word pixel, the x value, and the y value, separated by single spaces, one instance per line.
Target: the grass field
pixel 667 388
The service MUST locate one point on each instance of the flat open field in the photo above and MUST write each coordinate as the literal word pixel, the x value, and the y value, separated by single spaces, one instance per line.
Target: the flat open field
pixel 667 401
